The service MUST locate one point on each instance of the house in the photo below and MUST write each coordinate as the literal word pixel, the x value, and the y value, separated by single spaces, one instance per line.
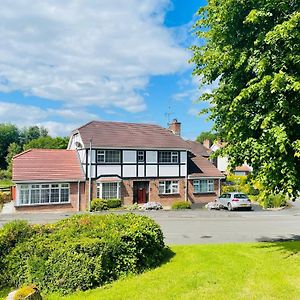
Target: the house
pixel 133 162
pixel 221 162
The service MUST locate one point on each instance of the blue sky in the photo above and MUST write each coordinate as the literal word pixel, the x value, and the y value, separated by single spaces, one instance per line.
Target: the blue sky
pixel 64 64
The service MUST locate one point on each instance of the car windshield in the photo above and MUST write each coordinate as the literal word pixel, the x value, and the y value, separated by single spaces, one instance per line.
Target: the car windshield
pixel 241 196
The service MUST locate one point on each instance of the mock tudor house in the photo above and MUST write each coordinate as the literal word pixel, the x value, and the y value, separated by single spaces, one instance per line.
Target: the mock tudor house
pixel 136 163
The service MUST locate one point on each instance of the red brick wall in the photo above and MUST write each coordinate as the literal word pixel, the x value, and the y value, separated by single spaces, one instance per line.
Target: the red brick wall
pixel 72 206
pixel 202 198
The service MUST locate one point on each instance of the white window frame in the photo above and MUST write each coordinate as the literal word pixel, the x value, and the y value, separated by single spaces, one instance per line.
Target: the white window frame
pixel 168 187
pixel 27 189
pixel 100 190
pixel 104 156
pixel 198 185
pixel 170 157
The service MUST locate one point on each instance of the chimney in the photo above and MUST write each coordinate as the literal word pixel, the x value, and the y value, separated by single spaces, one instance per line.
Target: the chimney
pixel 207 143
pixel 175 127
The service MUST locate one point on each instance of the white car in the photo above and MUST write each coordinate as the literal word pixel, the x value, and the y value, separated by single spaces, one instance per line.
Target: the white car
pixel 235 200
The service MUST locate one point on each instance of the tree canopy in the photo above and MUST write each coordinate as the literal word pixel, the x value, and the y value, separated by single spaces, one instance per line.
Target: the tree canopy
pixel 48 142
pixel 206 135
pixel 252 49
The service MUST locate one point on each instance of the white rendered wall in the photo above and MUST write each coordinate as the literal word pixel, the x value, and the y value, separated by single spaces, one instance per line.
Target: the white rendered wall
pixel 168 170
pixel 108 170
pixel 151 171
pixel 129 171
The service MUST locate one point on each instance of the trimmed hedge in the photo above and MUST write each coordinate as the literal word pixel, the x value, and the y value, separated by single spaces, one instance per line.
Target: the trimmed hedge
pixel 181 205
pixel 80 252
pixel 104 204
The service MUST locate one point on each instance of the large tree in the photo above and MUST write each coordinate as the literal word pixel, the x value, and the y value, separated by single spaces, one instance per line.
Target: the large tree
pixel 8 134
pixel 252 48
pixel 48 142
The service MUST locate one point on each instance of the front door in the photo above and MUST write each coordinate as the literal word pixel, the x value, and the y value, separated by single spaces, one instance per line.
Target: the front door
pixel 140 192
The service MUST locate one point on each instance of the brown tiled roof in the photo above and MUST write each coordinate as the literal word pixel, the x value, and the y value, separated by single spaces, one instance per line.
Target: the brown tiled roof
pixel 243 168
pixel 198 149
pixel 129 135
pixel 199 166
pixel 47 164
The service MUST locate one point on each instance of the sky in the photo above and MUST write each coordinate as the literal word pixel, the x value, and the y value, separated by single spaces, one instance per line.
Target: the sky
pixel 65 63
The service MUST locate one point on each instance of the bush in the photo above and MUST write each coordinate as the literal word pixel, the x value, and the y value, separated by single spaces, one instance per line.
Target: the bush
pixel 274 200
pixel 99 205
pixel 181 205
pixel 134 206
pixel 113 203
pixel 83 252
pixel 26 291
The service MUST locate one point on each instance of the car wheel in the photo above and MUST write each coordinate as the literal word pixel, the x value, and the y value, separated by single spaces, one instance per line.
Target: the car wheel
pixel 229 206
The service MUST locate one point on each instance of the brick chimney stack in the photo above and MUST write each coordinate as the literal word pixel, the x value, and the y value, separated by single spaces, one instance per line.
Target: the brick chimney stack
pixel 175 127
pixel 207 143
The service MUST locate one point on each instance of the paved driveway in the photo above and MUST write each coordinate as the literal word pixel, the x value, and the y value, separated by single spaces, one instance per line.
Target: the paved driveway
pixel 202 226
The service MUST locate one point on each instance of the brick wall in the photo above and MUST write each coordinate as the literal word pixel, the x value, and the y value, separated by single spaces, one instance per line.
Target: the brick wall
pixel 202 198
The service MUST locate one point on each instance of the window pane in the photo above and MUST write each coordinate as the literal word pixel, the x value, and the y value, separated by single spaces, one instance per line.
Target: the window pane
pixel 64 195
pixel 24 196
pixel 54 194
pixel 45 195
pixel 100 156
pixel 161 188
pixel 113 156
pixel 35 196
pixel 141 156
pixel 174 187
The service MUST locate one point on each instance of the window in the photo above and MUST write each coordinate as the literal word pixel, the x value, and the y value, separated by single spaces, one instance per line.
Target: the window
pixel 168 157
pixel 203 186
pixel 168 187
pixel 108 156
pixel 32 194
pixel 141 156
pixel 108 190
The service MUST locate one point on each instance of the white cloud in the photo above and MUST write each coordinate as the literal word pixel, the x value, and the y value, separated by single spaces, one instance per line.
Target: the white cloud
pixel 66 120
pixel 86 52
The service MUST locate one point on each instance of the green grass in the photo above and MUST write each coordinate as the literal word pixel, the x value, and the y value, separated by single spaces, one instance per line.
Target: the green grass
pixel 230 271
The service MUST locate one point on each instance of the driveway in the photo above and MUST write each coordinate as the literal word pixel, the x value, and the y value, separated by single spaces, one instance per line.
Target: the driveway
pixel 202 226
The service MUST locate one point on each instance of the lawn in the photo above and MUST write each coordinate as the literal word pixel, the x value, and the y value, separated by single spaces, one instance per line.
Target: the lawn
pixel 228 271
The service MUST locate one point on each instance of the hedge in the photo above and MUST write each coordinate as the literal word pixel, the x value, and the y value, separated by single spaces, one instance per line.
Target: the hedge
pixel 104 204
pixel 80 252
pixel 181 205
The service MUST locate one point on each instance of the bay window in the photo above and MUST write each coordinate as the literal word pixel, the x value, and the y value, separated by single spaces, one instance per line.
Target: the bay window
pixel 108 190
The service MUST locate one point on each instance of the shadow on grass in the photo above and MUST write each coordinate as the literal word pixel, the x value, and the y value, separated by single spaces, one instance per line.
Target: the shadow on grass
pixel 288 244
pixel 168 254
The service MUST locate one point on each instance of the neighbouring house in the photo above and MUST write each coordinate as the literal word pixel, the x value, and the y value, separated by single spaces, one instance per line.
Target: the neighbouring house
pixel 221 162
pixel 133 162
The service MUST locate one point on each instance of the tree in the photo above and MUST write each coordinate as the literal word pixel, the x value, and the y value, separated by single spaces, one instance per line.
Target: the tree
pixel 253 49
pixel 13 150
pixel 8 134
pixel 47 142
pixel 206 135
pixel 28 134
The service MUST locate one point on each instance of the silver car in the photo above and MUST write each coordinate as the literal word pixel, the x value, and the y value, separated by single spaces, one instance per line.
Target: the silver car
pixel 235 200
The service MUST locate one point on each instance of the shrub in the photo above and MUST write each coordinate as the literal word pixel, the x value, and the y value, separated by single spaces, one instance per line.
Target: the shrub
pixel 134 206
pixel 113 203
pixel 274 200
pixel 26 291
pixel 84 251
pixel 181 205
pixel 99 205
